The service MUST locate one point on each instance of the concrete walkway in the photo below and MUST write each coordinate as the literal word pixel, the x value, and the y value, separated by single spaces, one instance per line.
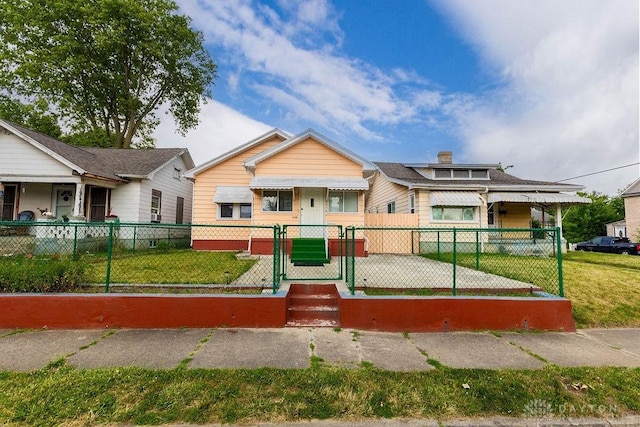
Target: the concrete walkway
pixel 386 271
pixel 293 348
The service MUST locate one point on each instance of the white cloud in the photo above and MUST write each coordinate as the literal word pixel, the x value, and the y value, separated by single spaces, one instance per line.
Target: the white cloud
pixel 569 103
pixel 221 128
pixel 345 92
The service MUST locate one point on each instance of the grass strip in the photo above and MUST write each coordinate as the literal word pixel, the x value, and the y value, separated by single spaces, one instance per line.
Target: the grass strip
pixel 62 395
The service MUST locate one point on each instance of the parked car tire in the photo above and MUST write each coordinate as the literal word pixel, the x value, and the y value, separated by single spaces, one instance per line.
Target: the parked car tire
pixel 624 252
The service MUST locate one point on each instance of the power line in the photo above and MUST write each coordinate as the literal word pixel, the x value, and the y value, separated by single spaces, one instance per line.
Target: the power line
pixel 603 171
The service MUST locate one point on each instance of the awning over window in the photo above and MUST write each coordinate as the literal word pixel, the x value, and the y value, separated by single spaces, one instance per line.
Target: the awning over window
pixel 289 182
pixel 233 195
pixel 454 198
pixel 536 198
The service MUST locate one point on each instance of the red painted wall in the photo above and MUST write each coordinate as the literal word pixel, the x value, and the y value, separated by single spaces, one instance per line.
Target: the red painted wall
pixel 141 311
pixel 412 314
pixel 433 314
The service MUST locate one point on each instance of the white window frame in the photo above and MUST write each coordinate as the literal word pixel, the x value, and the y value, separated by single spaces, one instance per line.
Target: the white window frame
pixel 335 193
pixel 156 210
pixel 412 202
pixel 462 208
pixel 278 207
pixel 451 174
pixel 391 207
pixel 235 212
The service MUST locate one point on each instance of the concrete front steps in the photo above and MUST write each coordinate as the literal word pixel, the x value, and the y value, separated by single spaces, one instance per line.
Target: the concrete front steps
pixel 313 305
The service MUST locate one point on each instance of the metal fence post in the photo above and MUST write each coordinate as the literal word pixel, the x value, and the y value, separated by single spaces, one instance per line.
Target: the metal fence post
pixel 477 251
pixel 453 288
pixel 109 257
pixel 559 258
pixel 75 242
pixel 276 258
pixel 438 245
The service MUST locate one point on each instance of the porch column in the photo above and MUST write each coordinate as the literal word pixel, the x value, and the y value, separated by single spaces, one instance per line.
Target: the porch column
pixel 559 218
pixel 78 204
pixel 1 199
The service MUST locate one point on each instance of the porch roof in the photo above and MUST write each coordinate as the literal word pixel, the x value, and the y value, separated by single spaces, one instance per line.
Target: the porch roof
pixel 289 182
pixel 233 195
pixel 454 198
pixel 517 197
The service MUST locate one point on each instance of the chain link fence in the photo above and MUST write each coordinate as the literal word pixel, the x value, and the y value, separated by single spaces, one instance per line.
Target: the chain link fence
pixel 312 252
pixel 142 257
pixel 452 261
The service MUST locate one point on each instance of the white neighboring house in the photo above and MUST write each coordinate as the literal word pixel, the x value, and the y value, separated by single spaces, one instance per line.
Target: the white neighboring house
pixel 40 173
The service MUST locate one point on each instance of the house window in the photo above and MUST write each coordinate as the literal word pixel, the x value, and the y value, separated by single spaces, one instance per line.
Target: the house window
pixel 156 204
pixel 442 173
pixel 343 201
pixel 179 210
pixel 391 207
pixel 480 174
pixel 412 203
pixel 460 173
pixel 245 210
pixel 277 201
pixel 453 213
pixel 234 211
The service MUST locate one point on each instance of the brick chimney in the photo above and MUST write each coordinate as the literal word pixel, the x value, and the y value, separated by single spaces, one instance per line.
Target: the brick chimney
pixel 445 157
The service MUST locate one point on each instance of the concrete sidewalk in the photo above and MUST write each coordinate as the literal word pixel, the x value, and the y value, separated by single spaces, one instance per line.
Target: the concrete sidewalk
pixel 294 348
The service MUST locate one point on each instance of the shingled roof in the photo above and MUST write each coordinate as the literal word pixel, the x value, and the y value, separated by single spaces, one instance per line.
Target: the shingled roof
pixel 408 175
pixel 107 163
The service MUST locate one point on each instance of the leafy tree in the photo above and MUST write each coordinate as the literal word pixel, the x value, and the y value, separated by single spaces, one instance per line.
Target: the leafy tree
pixel 35 115
pixel 585 221
pixel 106 65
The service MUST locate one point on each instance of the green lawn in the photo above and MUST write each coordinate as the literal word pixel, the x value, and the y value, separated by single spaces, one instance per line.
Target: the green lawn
pixel 61 395
pixel 604 289
pixel 172 266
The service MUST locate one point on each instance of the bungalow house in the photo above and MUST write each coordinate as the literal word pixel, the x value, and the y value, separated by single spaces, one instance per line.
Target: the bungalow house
pixel 306 181
pixel 448 195
pixel 631 198
pixel 39 174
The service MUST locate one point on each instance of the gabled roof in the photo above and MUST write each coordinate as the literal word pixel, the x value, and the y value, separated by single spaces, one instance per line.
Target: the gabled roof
pixel 234 152
pixel 139 163
pixel 407 176
pixel 106 163
pixel 632 190
pixel 309 133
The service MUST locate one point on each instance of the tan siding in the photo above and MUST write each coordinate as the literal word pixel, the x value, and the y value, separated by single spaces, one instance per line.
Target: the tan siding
pixel 518 215
pixel 632 216
pixel 309 158
pixel 383 191
pixel 229 172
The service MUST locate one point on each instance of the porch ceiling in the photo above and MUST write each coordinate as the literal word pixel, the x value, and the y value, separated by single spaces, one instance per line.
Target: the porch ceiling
pixel 537 198
pixel 288 182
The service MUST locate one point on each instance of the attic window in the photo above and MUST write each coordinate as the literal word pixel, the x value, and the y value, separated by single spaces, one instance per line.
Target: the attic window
pixel 177 173
pixel 461 174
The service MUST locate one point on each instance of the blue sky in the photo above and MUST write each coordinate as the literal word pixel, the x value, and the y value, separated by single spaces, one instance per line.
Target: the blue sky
pixel 548 86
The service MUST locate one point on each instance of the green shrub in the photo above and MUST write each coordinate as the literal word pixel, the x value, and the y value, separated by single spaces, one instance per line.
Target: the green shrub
pixel 32 274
